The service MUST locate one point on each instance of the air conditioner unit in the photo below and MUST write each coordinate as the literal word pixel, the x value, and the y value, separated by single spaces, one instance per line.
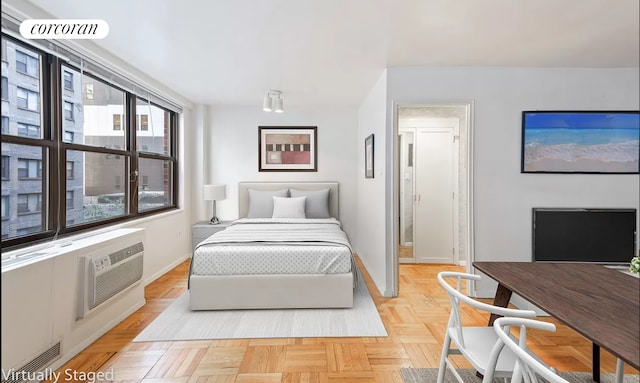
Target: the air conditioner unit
pixel 106 274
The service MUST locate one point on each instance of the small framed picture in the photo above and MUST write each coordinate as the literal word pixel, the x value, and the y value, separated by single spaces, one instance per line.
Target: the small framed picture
pixel 368 157
pixel 287 149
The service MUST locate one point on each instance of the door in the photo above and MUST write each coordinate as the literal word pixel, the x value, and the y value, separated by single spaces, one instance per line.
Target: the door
pixel 433 239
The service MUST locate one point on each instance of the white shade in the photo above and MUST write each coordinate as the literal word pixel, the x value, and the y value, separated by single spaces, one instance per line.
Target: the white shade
pixel 278 105
pixel 214 192
pixel 266 103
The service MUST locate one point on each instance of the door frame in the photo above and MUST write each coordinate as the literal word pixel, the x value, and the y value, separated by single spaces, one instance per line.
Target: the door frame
pixel 393 186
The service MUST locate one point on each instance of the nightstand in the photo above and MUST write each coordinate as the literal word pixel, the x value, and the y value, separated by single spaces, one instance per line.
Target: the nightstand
pixel 203 229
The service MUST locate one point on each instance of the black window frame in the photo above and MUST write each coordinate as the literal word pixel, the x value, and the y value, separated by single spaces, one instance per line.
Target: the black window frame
pixel 53 201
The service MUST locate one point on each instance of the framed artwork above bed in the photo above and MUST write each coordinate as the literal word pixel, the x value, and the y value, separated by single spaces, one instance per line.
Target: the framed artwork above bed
pixel 287 148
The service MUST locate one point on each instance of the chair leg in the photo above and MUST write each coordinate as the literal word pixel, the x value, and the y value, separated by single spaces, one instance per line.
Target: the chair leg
pixel 443 358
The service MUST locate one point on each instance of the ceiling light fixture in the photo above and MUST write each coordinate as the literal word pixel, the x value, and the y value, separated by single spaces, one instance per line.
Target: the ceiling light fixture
pixel 273 102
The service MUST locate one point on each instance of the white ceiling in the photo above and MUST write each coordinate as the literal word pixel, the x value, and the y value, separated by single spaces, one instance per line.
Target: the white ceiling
pixel 330 52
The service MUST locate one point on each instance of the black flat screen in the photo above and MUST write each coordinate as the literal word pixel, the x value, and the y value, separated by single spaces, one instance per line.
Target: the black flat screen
pixel 584 235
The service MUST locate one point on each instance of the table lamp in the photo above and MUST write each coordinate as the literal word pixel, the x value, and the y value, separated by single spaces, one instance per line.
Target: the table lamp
pixel 214 193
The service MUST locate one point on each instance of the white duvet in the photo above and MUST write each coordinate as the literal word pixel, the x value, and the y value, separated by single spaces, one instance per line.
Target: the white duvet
pixel 275 246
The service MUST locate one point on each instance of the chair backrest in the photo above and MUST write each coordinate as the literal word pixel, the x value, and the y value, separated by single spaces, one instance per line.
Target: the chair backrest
pixel 527 363
pixel 456 296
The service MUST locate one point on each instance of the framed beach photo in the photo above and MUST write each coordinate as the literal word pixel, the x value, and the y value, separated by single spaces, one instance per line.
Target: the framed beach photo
pixel 368 157
pixel 287 149
pixel 580 142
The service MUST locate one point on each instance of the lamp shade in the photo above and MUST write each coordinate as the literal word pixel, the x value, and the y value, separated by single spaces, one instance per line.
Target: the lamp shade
pixel 214 192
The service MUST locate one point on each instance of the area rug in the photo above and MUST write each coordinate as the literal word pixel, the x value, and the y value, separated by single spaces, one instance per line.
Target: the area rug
pixel 177 322
pixel 429 375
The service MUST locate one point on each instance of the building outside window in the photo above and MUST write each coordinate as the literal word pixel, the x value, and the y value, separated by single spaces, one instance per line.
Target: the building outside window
pixel 28 99
pixel 68 80
pixel 68 136
pixel 5 167
pixel 29 203
pixel 27 64
pixel 5 124
pixel 28 168
pixel 70 166
pixel 117 122
pixel 28 130
pixel 5 88
pixel 68 110
pixel 5 206
pixel 69 200
pixel 144 122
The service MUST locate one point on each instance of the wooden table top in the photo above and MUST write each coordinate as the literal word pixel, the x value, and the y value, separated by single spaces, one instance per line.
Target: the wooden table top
pixel 600 303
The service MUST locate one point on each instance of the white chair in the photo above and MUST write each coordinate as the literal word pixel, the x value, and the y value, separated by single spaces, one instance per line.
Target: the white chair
pixel 474 343
pixel 528 365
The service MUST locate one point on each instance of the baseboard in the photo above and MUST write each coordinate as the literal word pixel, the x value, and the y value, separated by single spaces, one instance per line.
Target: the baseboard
pixel 70 354
pixel 165 269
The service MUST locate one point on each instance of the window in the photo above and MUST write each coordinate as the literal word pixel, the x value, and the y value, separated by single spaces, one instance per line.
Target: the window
pixel 154 135
pixel 67 78
pixel 5 206
pixel 68 136
pixel 5 88
pixel 29 203
pixel 69 200
pixel 117 122
pixel 143 122
pixel 28 168
pixel 70 165
pixel 68 110
pixel 27 99
pixel 27 64
pixel 5 167
pixel 40 175
pixel 28 130
pixel 93 121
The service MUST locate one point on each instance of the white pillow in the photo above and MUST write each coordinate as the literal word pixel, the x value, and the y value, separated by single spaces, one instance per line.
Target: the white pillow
pixel 288 207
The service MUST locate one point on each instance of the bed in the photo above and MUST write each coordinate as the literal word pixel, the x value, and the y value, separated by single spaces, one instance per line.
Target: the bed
pixel 276 256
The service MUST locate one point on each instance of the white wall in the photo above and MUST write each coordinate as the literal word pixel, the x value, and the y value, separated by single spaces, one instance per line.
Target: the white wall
pixel 167 235
pixel 503 197
pixel 231 150
pixel 371 196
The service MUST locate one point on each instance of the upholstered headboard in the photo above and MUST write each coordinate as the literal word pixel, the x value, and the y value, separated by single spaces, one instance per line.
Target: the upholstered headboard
pixel 243 193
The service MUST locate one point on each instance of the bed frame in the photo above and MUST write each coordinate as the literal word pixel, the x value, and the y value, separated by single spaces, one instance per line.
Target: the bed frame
pixel 274 290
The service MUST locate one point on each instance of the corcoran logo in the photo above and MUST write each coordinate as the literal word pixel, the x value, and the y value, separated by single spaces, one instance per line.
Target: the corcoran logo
pixel 64 29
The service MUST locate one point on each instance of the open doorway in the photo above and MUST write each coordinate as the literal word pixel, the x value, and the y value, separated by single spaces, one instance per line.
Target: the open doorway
pixel 432 183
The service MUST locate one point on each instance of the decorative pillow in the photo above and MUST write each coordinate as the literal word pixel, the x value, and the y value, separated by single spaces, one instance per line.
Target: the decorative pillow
pixel 261 202
pixel 317 205
pixel 288 207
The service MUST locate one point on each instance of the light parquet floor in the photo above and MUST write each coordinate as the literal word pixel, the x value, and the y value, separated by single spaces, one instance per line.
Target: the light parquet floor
pixel 415 322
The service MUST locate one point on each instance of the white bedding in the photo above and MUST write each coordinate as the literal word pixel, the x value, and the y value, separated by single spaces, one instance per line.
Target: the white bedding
pixel 275 246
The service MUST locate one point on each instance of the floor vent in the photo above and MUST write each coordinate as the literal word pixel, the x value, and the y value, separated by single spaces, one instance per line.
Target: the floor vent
pixel 32 368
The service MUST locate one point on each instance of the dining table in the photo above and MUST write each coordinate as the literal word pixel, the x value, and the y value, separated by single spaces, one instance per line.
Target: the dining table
pixel 601 303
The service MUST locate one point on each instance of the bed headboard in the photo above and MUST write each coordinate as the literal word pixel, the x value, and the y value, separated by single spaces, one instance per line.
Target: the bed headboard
pixel 243 193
